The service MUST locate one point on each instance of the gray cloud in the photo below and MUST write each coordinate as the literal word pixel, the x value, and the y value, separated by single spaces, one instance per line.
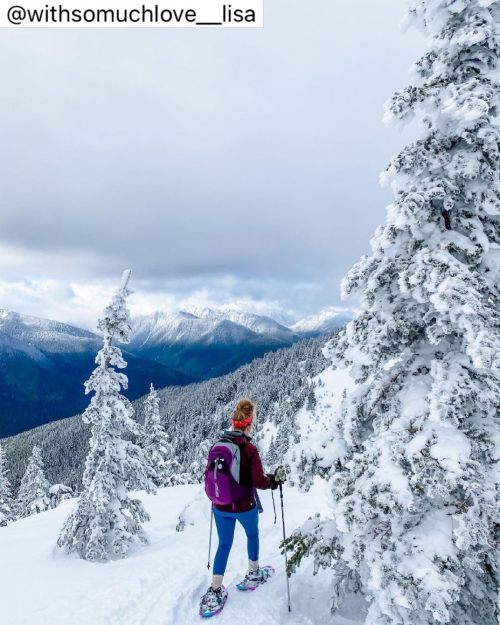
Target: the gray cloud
pixel 194 156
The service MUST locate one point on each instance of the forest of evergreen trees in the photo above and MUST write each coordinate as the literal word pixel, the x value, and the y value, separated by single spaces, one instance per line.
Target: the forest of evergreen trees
pixel 278 382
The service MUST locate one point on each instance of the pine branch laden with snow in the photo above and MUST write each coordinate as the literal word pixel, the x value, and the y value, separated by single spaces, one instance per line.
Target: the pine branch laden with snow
pixel 415 481
pixel 58 493
pixel 156 444
pixel 6 502
pixel 197 468
pixel 107 521
pixel 33 496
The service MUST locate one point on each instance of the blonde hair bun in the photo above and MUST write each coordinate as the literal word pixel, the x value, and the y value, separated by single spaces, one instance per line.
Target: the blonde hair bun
pixel 244 412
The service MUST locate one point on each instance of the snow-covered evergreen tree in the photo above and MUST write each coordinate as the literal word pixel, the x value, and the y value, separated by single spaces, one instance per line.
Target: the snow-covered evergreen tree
pixel 33 496
pixel 58 493
pixel 272 459
pixel 107 521
pixel 6 501
pixel 414 477
pixel 156 444
pixel 197 468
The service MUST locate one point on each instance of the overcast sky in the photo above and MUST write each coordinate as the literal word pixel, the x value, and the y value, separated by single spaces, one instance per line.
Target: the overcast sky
pixel 222 166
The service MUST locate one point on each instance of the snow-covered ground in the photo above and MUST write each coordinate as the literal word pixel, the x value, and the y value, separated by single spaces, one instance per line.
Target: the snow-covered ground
pixel 159 584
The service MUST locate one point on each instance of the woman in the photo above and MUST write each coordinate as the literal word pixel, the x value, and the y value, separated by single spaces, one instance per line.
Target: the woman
pixel 245 511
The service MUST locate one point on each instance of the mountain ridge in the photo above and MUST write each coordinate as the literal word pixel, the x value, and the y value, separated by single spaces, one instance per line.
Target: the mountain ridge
pixel 44 363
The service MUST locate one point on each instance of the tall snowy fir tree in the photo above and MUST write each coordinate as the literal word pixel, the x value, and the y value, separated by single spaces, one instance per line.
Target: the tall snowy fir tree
pixel 6 501
pixel 107 521
pixel 413 464
pixel 156 444
pixel 33 496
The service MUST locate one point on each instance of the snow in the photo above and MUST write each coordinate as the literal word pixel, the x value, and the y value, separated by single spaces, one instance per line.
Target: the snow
pixel 159 584
pixel 10 345
pixel 413 398
pixel 266 435
pixel 315 431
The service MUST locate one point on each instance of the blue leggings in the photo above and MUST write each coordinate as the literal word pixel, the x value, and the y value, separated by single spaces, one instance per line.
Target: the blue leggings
pixel 226 522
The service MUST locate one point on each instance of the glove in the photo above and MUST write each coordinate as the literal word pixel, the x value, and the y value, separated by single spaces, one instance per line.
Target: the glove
pixel 280 475
pixel 274 483
pixel 277 478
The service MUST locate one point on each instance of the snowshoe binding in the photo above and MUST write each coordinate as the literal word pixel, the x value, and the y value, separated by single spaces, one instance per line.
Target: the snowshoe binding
pixel 256 578
pixel 213 601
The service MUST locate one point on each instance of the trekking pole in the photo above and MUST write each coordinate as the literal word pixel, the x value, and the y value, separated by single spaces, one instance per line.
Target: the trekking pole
pixel 210 539
pixel 274 507
pixel 286 557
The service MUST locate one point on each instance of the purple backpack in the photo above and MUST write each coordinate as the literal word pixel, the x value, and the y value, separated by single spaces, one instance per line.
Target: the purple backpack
pixel 222 474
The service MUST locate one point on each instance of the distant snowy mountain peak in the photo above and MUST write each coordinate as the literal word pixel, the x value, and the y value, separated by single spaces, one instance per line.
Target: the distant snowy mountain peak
pixel 45 334
pixel 261 324
pixel 326 320
pixel 43 363
pixel 166 335
pixel 227 332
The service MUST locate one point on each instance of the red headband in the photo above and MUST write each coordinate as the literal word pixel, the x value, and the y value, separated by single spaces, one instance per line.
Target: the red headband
pixel 244 423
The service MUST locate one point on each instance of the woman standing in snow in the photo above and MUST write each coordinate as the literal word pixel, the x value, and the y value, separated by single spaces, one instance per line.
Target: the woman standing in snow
pixel 243 506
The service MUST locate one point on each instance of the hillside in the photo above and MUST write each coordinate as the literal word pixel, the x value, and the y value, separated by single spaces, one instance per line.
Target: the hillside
pixel 279 382
pixel 159 584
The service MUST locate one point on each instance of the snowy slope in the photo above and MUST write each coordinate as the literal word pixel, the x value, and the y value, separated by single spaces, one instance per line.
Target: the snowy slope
pixel 316 438
pixel 160 328
pixel 45 334
pixel 12 347
pixel 200 324
pixel 159 584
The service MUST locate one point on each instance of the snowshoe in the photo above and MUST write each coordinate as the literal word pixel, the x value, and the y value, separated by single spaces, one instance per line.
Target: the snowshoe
pixel 256 578
pixel 212 602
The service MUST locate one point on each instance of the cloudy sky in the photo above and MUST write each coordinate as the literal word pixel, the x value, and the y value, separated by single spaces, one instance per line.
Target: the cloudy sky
pixel 222 166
